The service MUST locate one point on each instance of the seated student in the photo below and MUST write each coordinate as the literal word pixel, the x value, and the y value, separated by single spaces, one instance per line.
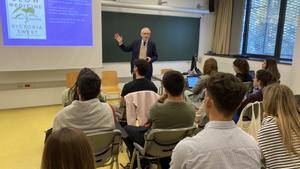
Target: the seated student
pixel 210 67
pixel 241 67
pixel 271 65
pixel 197 95
pixel 68 148
pixel 87 113
pixel 71 94
pixel 279 135
pixel 141 68
pixel 170 112
pixel 221 144
pixel 262 79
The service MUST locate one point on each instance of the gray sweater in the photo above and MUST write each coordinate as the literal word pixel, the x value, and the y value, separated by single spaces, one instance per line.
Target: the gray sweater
pixel 89 116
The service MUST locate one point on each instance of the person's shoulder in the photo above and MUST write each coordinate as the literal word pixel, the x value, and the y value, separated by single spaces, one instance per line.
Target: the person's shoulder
pixel 129 85
pixel 268 125
pixel 151 83
pixel 156 107
pixel 137 41
pixel 105 106
pixel 188 106
pixel 188 144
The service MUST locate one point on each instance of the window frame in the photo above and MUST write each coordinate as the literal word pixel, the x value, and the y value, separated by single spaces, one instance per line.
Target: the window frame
pixel 279 35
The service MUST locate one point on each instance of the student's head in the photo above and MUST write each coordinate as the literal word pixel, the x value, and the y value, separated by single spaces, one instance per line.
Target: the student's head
pixel 141 67
pixel 81 72
pixel 279 102
pixel 68 149
pixel 88 86
pixel 241 66
pixel 263 78
pixel 145 33
pixel 173 82
pixel 210 66
pixel 224 93
pixel 271 65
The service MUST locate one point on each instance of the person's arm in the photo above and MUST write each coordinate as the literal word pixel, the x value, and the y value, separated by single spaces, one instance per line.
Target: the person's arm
pixel 154 54
pixel 200 85
pixel 120 42
pixel 122 101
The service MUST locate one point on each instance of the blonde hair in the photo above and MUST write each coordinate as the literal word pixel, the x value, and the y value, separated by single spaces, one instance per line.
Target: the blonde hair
pixel 68 149
pixel 279 102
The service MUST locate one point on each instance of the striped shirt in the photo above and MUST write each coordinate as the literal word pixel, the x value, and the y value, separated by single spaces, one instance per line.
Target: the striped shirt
pixel 275 153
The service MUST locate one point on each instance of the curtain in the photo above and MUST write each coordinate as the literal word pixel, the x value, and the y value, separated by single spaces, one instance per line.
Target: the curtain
pixel 222 31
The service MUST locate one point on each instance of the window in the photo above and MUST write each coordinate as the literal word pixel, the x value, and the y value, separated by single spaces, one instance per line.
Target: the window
pixel 270 28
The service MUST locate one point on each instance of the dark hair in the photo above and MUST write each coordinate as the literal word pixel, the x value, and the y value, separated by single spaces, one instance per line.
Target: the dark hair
pixel 271 66
pixel 242 65
pixel 142 66
pixel 89 85
pixel 227 92
pixel 210 66
pixel 74 87
pixel 173 82
pixel 265 77
pixel 68 148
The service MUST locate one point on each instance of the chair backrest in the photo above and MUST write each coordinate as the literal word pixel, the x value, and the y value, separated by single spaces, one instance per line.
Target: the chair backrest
pixel 161 142
pixel 138 105
pixel 110 81
pixel 71 78
pixel 109 78
pixel 106 144
pixel 163 71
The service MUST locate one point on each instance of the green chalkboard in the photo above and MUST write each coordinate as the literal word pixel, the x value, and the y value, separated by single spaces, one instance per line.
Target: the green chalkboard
pixel 176 38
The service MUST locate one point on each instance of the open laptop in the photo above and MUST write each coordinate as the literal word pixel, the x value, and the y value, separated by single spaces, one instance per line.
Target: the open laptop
pixel 192 81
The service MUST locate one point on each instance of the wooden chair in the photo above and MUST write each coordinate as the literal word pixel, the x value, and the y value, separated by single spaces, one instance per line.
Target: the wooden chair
pixel 71 78
pixel 110 82
pixel 163 71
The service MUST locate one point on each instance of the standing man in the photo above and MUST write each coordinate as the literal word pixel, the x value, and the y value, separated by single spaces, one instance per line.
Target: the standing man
pixel 142 48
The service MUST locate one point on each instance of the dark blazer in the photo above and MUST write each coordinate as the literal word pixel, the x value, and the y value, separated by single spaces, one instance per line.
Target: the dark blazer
pixel 134 47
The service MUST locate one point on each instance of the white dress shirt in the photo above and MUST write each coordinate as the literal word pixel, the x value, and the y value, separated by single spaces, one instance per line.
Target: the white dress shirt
pixel 221 145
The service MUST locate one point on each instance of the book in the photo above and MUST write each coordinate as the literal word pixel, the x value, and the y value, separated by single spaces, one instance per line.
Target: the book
pixel 26 19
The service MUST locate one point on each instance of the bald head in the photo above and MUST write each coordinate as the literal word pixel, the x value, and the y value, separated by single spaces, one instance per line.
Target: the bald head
pixel 145 33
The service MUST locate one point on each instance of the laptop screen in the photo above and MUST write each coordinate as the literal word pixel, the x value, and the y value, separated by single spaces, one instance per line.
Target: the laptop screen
pixel 192 80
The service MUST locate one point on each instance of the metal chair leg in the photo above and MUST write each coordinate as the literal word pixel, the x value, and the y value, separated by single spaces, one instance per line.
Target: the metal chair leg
pixel 117 162
pixel 132 159
pixel 138 159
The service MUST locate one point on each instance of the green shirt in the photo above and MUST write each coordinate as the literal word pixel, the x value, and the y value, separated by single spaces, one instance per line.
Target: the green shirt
pixel 171 115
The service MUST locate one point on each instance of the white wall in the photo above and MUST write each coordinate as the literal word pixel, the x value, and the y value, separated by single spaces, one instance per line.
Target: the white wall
pixel 28 97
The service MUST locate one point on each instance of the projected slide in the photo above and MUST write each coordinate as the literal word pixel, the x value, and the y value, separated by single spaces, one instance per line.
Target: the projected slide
pixel 46 22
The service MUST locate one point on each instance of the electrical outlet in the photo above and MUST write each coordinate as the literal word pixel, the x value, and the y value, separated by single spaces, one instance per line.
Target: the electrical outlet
pixel 27 85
